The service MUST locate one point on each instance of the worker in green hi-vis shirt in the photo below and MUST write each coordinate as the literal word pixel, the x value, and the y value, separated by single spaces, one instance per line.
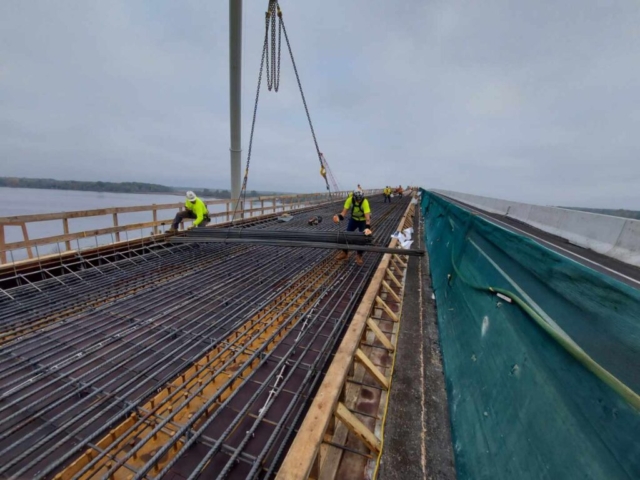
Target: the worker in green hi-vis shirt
pixel 195 209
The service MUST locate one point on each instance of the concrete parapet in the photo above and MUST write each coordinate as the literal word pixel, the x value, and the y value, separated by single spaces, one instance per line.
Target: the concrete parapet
pixel 615 237
pixel 627 247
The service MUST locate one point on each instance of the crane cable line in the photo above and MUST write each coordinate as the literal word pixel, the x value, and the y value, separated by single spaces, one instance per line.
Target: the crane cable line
pixel 271 58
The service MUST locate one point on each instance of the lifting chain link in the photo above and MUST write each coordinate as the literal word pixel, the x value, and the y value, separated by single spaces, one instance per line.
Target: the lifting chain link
pixel 273 68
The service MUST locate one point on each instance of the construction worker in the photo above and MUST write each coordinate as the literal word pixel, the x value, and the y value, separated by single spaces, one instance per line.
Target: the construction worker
pixel 194 208
pixel 399 191
pixel 360 219
pixel 387 194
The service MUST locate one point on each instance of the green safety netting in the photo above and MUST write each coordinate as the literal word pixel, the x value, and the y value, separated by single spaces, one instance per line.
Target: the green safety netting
pixel 544 386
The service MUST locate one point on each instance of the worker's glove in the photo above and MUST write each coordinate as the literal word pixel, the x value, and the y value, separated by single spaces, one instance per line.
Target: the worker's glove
pixel 191 227
pixel 367 230
pixel 338 218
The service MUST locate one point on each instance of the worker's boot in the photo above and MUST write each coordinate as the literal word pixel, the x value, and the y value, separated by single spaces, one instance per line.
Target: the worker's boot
pixel 172 231
pixel 359 259
pixel 342 255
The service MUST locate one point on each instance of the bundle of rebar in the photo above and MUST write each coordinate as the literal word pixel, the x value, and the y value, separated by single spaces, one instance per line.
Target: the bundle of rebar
pixel 291 244
pixel 350 238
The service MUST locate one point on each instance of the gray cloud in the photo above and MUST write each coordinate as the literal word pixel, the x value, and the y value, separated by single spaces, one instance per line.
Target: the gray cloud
pixel 534 101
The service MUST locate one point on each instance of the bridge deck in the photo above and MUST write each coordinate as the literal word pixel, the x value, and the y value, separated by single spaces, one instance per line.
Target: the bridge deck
pixel 169 360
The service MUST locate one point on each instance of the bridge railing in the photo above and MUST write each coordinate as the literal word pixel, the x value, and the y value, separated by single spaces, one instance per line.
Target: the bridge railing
pixel 115 227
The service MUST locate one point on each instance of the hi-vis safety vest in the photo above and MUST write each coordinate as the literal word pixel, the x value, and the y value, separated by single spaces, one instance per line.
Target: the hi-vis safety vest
pixel 357 211
pixel 200 210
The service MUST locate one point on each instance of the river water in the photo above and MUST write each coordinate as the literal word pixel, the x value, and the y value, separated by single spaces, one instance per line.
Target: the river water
pixel 24 201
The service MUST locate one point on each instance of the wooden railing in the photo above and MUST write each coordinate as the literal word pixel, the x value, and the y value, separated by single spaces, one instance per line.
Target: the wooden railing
pixel 268 205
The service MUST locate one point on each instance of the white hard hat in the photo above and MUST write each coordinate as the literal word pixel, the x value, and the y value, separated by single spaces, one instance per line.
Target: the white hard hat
pixel 191 196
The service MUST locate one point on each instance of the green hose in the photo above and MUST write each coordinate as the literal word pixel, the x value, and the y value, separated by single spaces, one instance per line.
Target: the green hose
pixel 556 333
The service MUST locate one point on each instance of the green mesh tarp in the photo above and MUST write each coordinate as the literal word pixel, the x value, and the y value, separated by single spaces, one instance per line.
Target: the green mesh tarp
pixel 543 386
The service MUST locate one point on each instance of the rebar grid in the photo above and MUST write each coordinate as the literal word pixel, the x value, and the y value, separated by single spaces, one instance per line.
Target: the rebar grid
pixel 126 328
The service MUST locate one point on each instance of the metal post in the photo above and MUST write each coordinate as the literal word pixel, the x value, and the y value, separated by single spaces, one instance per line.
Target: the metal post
pixel 235 97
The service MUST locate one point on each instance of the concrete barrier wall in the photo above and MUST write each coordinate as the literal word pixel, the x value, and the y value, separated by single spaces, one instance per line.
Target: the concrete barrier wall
pixel 615 237
pixel 627 248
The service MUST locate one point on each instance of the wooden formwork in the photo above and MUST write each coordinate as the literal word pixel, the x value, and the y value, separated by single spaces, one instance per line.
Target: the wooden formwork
pixel 342 434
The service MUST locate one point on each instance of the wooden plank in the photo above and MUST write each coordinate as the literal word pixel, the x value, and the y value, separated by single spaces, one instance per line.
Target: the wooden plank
pixel 350 394
pixel 56 256
pixel 394 279
pixel 4 249
pixel 155 220
pixel 372 369
pixel 315 469
pixel 91 233
pixel 331 461
pixel 3 253
pixel 65 229
pixel 25 236
pixel 16 220
pixel 400 261
pixel 386 308
pixel 73 236
pixel 390 291
pixel 380 334
pixel 357 428
pixel 87 456
pixel 67 237
pixel 298 462
pixel 115 224
pixel 41 217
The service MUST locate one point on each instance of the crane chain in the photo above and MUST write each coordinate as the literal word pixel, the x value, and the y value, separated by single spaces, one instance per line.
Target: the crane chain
pixel 273 16
pixel 273 68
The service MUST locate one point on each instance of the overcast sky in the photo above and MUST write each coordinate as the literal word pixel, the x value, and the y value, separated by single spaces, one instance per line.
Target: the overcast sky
pixel 534 101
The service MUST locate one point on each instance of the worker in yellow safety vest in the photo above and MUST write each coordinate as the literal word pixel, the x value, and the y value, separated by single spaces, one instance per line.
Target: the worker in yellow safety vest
pixel 194 209
pixel 360 219
pixel 387 194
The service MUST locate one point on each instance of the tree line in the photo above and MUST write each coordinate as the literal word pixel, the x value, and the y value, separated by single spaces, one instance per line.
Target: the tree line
pixel 206 192
pixel 51 184
pixel 113 187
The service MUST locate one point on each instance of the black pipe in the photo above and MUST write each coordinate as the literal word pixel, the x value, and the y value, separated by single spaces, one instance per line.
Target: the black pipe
pixel 289 243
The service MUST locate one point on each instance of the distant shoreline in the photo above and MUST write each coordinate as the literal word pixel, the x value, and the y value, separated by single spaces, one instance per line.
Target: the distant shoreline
pixel 115 187
pixel 106 187
pixel 112 187
pixel 177 194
